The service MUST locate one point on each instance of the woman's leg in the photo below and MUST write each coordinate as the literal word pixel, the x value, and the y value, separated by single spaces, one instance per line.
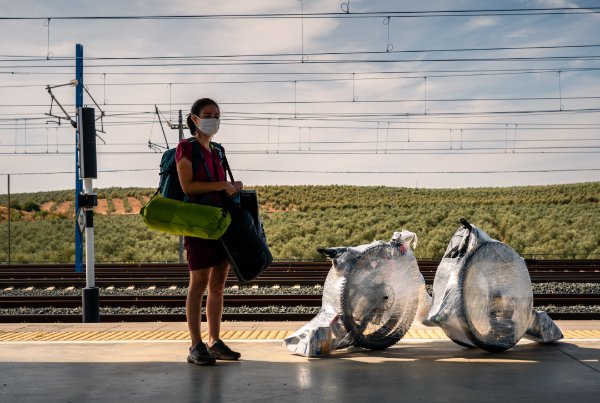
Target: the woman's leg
pixel 193 303
pixel 214 300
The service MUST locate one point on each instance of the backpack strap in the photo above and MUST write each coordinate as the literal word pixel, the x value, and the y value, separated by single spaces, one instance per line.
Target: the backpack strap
pixel 196 151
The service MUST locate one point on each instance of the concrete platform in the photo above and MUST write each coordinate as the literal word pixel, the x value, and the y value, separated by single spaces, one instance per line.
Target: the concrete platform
pixel 416 369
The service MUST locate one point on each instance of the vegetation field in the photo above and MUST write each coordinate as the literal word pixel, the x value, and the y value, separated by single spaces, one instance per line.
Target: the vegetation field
pixel 558 221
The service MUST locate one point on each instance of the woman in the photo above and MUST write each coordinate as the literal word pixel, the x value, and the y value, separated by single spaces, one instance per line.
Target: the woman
pixel 207 260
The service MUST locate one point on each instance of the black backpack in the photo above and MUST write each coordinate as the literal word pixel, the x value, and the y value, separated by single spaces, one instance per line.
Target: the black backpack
pixel 168 185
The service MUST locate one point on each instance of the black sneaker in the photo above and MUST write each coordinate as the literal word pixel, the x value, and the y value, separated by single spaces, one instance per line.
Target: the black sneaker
pixel 220 351
pixel 199 355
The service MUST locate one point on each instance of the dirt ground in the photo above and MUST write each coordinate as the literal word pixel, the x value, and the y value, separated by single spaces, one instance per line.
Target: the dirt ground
pixel 102 207
pixel 63 208
pixel 135 205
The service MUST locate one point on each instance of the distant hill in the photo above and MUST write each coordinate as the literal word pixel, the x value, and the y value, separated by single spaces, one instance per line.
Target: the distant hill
pixel 541 221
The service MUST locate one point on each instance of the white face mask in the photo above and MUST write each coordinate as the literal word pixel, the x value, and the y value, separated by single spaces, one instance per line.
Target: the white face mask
pixel 209 126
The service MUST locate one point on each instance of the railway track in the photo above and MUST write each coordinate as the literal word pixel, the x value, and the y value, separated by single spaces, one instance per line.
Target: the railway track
pixel 127 301
pixel 280 273
pixel 174 317
pixel 120 302
pixel 73 301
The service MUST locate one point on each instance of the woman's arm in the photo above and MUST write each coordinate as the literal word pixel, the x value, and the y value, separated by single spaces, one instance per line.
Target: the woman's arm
pixel 189 186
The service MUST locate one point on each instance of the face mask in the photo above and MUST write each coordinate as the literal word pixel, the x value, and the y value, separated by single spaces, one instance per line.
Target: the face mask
pixel 209 126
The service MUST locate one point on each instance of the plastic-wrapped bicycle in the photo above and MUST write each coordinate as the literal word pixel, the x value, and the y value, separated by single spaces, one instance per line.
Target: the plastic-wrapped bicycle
pixel 482 294
pixel 370 298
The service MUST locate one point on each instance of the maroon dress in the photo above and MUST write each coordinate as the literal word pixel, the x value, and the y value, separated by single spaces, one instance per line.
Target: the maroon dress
pixel 203 253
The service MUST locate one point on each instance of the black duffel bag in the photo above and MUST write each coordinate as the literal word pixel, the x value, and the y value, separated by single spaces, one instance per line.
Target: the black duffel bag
pixel 245 241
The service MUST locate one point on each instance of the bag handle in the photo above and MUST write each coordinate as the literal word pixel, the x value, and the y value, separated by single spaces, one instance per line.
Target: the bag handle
pixel 223 158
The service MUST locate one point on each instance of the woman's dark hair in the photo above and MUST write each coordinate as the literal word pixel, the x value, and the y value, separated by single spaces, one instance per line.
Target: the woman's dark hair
pixel 196 109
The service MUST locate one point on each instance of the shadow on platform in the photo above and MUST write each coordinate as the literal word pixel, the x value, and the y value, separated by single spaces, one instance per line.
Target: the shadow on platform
pixel 435 371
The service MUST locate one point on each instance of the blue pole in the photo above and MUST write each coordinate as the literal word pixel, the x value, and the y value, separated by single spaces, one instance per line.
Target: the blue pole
pixel 78 182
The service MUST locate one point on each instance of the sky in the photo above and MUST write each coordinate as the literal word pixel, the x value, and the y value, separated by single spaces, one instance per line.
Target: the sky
pixel 436 94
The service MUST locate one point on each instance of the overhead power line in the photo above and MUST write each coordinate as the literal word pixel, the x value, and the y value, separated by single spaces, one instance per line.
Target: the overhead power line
pixel 343 15
pixel 333 172
pixel 366 101
pixel 376 149
pixel 428 73
pixel 14 58
pixel 378 116
pixel 305 60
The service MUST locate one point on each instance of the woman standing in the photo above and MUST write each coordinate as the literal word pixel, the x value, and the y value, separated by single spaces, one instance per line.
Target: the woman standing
pixel 207 261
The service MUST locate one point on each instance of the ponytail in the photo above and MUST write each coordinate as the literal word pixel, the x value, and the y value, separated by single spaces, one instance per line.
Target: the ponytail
pixel 190 124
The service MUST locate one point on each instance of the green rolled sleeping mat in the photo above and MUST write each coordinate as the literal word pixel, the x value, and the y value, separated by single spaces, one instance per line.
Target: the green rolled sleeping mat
pixel 179 218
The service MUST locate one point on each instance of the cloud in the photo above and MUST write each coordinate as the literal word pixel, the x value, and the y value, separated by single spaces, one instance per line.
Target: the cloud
pixel 265 109
pixel 476 23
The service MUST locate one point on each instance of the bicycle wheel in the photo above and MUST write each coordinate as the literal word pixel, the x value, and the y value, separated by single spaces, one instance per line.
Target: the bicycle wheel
pixel 496 296
pixel 380 297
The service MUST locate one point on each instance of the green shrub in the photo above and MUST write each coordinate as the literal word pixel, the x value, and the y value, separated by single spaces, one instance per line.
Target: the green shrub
pixel 540 221
pixel 30 206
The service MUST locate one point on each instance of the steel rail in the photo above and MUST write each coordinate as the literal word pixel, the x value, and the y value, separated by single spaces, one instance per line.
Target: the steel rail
pixel 237 317
pixel 306 273
pixel 236 300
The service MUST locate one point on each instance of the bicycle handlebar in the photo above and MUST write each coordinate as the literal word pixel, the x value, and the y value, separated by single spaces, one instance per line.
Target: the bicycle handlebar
pixel 466 224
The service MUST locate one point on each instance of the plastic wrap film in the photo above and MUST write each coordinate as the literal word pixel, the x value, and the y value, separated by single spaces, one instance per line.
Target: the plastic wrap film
pixel 482 292
pixel 325 332
pixel 543 329
pixel 370 298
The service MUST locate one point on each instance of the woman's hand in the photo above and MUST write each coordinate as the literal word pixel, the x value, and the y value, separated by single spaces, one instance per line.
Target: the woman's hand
pixel 238 185
pixel 230 189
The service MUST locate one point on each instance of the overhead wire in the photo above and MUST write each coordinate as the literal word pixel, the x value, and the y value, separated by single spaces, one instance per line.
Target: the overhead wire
pixel 231 56
pixel 279 59
pixel 284 81
pixel 502 149
pixel 503 171
pixel 421 72
pixel 344 15
pixel 251 62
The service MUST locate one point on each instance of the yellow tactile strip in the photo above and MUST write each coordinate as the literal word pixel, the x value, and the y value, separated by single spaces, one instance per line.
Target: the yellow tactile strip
pixel 274 334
